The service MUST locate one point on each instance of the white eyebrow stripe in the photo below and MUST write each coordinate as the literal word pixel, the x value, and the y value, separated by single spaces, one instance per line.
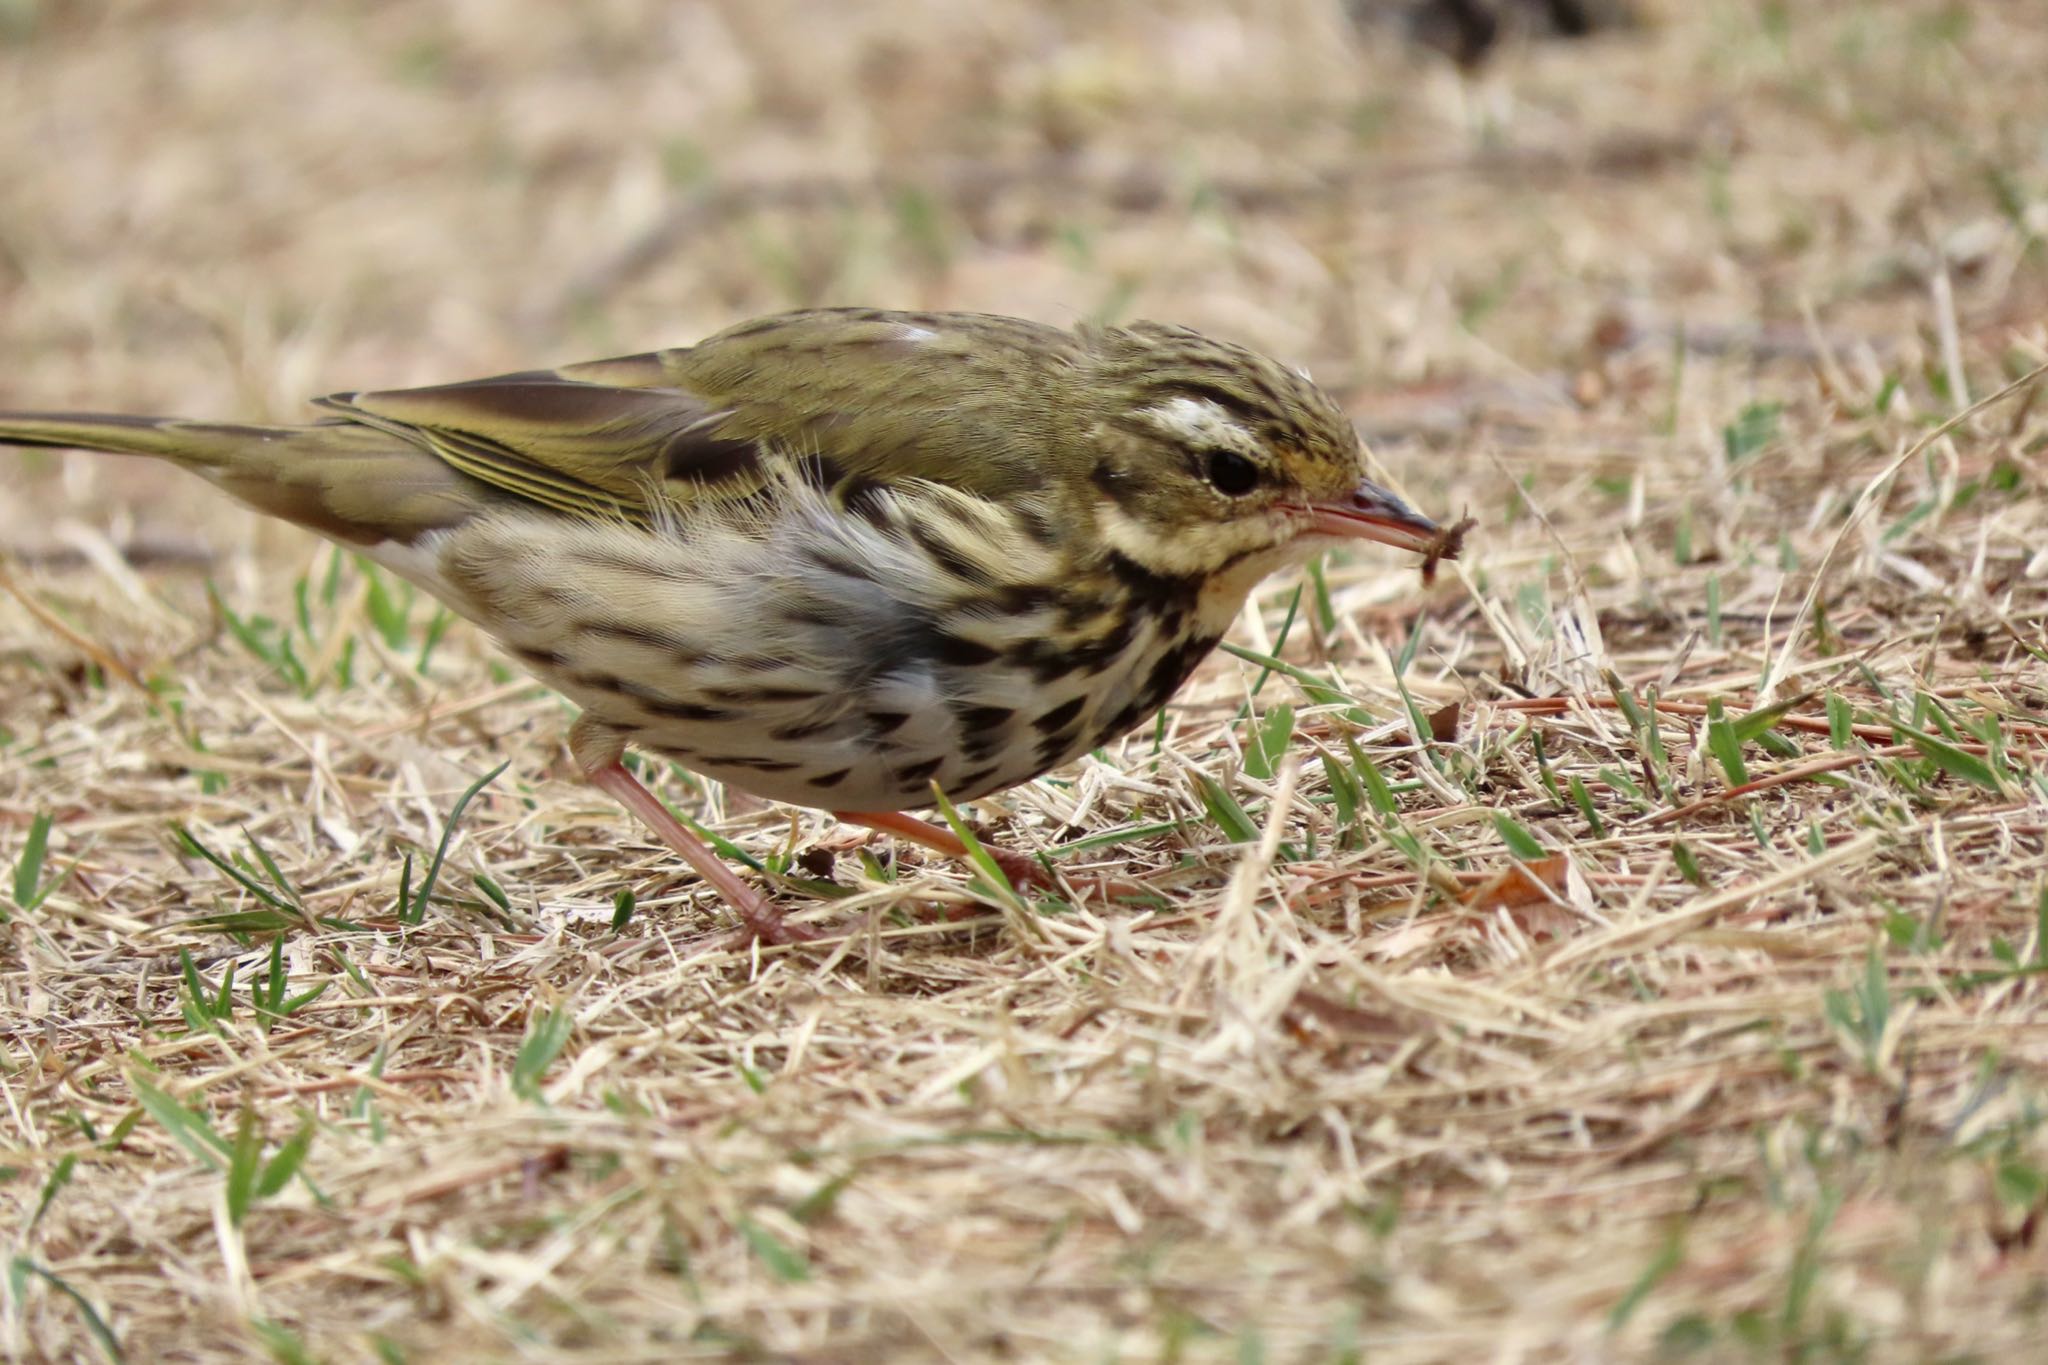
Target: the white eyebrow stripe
pixel 1201 422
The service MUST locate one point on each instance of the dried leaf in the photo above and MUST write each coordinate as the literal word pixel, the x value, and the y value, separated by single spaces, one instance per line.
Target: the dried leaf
pixel 1529 883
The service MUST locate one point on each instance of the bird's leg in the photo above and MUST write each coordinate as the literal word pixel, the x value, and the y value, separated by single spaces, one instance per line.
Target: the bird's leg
pixel 597 751
pixel 1021 869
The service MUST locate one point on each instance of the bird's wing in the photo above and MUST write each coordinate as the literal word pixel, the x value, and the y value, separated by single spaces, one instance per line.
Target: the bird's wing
pixel 613 438
pixel 861 395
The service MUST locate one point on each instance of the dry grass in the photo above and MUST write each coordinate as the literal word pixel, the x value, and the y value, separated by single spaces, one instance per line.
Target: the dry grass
pixel 1731 1072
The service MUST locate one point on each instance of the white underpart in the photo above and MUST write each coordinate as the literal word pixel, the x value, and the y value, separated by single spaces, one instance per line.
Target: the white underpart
pixel 418 563
pixel 1185 552
pixel 724 636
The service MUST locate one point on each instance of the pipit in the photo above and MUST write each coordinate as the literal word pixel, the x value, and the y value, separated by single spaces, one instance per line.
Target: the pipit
pixel 834 558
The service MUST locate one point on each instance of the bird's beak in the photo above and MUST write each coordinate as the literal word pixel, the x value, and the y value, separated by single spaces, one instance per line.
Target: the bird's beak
pixel 1372 513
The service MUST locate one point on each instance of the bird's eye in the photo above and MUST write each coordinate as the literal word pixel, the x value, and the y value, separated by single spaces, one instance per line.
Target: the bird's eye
pixel 1231 473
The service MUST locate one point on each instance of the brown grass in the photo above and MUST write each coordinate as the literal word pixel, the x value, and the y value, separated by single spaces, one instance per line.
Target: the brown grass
pixel 1745 1072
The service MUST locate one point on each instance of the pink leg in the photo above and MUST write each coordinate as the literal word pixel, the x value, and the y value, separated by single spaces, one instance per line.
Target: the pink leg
pixel 1020 869
pixel 596 752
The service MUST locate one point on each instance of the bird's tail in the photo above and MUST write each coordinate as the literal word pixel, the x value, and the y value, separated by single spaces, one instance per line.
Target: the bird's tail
pixel 343 479
pixel 198 445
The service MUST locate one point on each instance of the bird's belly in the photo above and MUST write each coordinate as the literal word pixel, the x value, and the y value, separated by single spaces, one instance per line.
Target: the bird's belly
pixel 837 740
pixel 840 672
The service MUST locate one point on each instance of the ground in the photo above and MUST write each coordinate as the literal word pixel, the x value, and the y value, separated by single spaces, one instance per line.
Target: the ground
pixel 1628 946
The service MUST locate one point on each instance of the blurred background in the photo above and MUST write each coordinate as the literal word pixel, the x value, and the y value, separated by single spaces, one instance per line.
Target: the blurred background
pixel 1654 290
pixel 1448 210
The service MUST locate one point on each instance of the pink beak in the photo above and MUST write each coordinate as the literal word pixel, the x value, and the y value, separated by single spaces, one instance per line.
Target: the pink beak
pixel 1372 513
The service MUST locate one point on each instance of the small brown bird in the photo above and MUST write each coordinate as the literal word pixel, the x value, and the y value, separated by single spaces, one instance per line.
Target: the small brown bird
pixel 833 557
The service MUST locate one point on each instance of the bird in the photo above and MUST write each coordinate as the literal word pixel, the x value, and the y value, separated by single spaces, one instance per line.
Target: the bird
pixel 842 558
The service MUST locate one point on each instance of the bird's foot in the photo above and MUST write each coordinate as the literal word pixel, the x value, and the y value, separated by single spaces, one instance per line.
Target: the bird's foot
pixel 597 754
pixel 1020 869
pixel 1023 871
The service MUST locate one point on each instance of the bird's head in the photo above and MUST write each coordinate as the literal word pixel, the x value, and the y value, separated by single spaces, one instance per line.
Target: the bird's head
pixel 1210 459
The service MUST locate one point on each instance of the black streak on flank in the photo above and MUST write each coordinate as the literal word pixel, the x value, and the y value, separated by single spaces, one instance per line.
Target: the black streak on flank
pixel 1163 681
pixel 1048 662
pixel 685 710
pixel 748 763
pixel 886 722
pixel 1040 524
pixel 821 471
pixel 759 696
pixel 984 745
pixel 538 658
pixel 1019 599
pixel 984 730
pixel 960 653
pixel 976 783
pixel 631 634
pixel 915 776
pixel 812 614
pixel 868 500
pixel 949 556
pixel 1054 747
pixel 1123 721
pixel 1092 656
pixel 697 458
pixel 1059 716
pixel 809 729
pixel 976 719
pixel 653 703
pixel 1156 591
pixel 836 563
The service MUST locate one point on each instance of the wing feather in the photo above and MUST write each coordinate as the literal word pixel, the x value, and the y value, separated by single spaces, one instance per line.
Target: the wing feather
pixel 569 444
pixel 846 397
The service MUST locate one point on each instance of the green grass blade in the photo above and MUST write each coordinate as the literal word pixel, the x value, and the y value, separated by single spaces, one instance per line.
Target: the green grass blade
pixel 1752 726
pixel 985 865
pixel 1224 811
pixel 1726 747
pixel 1955 762
pixel 185 1124
pixel 1583 799
pixel 285 1162
pixel 59 1177
pixel 1517 837
pixel 1377 791
pixel 18 1273
pixel 1269 739
pixel 233 873
pixel 781 1262
pixel 28 868
pixel 418 908
pixel 244 1166
pixel 546 1033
